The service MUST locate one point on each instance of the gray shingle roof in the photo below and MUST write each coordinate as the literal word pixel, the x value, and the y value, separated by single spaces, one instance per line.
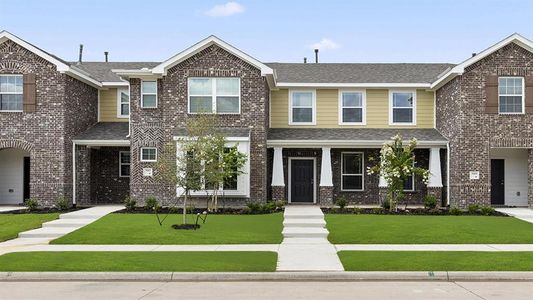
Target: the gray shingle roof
pixel 358 73
pixel 115 131
pixel 360 134
pixel 226 131
pixel 101 71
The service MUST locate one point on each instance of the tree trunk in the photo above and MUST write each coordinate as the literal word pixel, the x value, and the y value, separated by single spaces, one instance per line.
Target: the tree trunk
pixel 185 208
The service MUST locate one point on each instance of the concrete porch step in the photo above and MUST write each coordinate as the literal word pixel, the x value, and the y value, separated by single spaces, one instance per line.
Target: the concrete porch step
pixel 304 232
pixel 67 223
pixel 320 223
pixel 303 216
pixel 47 232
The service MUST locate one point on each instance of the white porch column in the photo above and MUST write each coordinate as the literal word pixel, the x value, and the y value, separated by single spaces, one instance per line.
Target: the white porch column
pixel 326 178
pixel 277 168
pixel 435 178
pixel 382 182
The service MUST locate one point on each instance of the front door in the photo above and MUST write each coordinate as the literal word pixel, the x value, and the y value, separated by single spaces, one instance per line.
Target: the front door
pixel 302 180
pixel 497 181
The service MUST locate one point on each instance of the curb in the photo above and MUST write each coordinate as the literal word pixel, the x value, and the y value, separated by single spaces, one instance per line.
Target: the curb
pixel 274 276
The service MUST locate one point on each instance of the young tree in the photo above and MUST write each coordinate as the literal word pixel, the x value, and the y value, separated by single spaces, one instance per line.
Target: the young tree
pixel 396 165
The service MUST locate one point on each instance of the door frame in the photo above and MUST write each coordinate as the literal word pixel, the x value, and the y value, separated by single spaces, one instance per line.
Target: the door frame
pixel 504 177
pixel 290 159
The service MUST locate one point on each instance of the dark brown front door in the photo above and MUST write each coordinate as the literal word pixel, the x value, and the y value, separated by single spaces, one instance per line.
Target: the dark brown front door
pixel 302 180
pixel 497 181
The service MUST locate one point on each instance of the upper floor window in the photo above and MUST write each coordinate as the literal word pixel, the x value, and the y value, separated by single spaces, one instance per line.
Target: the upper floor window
pixel 123 109
pixel 302 107
pixel 352 171
pixel 149 94
pixel 511 95
pixel 11 93
pixel 402 107
pixel 215 95
pixel 352 108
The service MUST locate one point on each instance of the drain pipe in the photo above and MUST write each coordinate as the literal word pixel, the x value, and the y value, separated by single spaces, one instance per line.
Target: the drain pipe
pixel 73 174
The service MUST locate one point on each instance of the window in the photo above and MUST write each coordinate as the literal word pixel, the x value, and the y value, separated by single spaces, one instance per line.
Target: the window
pixel 352 171
pixel 149 154
pixel 149 94
pixel 352 109
pixel 215 95
pixel 302 108
pixel 409 184
pixel 123 109
pixel 231 182
pixel 124 164
pixel 10 92
pixel 403 107
pixel 511 95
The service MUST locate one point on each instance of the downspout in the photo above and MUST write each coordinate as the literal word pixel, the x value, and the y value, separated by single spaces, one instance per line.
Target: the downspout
pixel 73 173
pixel 448 173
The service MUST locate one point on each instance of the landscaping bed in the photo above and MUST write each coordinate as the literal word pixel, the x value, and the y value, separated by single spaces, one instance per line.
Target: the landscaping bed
pixel 436 261
pixel 12 224
pixel 394 229
pixel 144 229
pixel 412 211
pixel 138 262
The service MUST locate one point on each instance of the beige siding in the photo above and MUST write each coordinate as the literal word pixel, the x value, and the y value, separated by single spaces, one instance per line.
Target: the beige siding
pixel 327 115
pixel 108 106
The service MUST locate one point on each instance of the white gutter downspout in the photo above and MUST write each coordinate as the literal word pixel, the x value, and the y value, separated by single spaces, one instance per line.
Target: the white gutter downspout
pixel 73 173
pixel 448 173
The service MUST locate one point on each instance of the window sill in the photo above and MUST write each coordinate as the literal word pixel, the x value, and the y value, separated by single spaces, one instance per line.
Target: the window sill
pixel 213 113
pixel 351 191
pixel 11 111
pixel 301 124
pixel 122 117
pixel 511 114
pixel 402 124
pixel 352 124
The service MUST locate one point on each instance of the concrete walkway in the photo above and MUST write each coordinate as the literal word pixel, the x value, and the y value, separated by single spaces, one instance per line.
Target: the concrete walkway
pixel 8 208
pixel 522 213
pixel 437 247
pixel 305 246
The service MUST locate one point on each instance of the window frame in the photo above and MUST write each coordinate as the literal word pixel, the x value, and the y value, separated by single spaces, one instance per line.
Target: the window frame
pixel 342 107
pixel 391 108
pixel 523 95
pixel 362 171
pixel 120 164
pixel 14 93
pixel 147 160
pixel 150 94
pixel 313 107
pixel 120 103
pixel 213 95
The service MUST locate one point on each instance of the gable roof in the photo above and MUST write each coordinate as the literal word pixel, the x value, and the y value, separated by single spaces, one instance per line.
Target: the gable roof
pixel 102 71
pixel 460 68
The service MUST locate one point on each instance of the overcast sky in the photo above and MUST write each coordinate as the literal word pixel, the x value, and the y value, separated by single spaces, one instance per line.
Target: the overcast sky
pixel 270 30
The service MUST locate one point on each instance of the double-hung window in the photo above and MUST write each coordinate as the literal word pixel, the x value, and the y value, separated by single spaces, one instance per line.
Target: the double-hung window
pixel 511 95
pixel 352 171
pixel 402 107
pixel 124 164
pixel 149 94
pixel 351 108
pixel 302 108
pixel 215 95
pixel 123 109
pixel 11 93
pixel 148 154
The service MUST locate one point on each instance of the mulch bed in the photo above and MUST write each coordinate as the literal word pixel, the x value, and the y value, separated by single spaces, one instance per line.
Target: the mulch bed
pixel 408 212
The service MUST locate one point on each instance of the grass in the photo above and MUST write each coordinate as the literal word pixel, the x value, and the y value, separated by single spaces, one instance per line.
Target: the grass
pixel 12 224
pixel 138 262
pixel 380 229
pixel 144 229
pixel 436 261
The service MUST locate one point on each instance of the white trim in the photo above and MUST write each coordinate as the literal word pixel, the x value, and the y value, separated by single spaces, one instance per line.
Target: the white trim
pixel 149 94
pixel 351 85
pixel 391 108
pixel 362 172
pixel 313 107
pixel 147 160
pixel 523 95
pixel 343 143
pixel 102 142
pixel 115 83
pixel 120 164
pixel 290 159
pixel 278 178
pixel 119 103
pixel 98 107
pixel 213 95
pixel 363 107
pixel 227 139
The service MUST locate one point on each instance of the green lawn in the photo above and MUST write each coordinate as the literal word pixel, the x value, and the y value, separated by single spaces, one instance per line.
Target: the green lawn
pixel 436 261
pixel 381 229
pixel 144 229
pixel 12 224
pixel 138 262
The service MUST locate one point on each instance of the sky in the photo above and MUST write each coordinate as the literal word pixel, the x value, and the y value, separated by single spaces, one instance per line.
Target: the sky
pixel 270 30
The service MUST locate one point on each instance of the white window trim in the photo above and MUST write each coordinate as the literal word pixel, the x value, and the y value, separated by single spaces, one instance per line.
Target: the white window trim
pixel 143 93
pixel 148 160
pixel 523 95
pixel 120 164
pixel 391 108
pixel 362 172
pixel 313 107
pixel 119 103
pixel 14 93
pixel 213 95
pixel 341 107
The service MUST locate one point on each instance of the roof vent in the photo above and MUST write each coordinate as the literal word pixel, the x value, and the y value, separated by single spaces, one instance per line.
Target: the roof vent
pixel 106 54
pixel 305 60
pixel 474 54
pixel 316 56
pixel 81 54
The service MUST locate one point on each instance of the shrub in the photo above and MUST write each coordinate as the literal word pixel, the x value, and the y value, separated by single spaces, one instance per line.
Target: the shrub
pixel 263 208
pixel 190 209
pixel 357 210
pixel 62 203
pixel 31 204
pixel 376 210
pixel 386 204
pixel 173 210
pixel 341 202
pixel 254 207
pixel 430 201
pixel 456 211
pixel 151 203
pixel 487 210
pixel 473 208
pixel 279 204
pixel 129 203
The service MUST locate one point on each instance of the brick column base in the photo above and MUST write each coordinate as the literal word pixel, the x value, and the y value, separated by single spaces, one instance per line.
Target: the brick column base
pixel 325 196
pixel 437 192
pixel 278 193
pixel 83 175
